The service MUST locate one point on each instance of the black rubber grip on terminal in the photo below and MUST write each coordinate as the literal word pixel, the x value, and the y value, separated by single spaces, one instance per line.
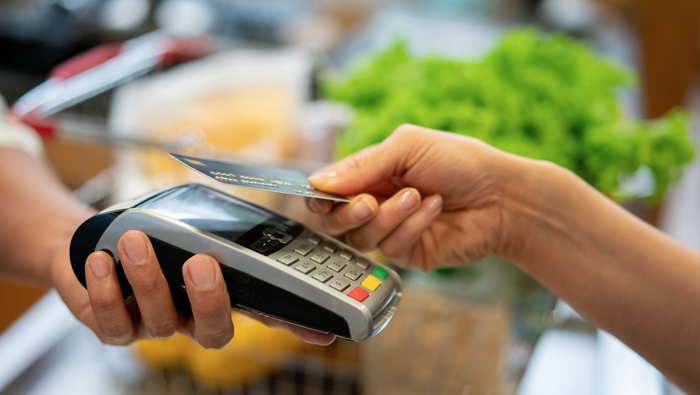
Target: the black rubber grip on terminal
pixel 85 241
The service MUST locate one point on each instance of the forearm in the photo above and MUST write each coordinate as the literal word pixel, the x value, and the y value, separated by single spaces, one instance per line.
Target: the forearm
pixel 39 216
pixel 622 274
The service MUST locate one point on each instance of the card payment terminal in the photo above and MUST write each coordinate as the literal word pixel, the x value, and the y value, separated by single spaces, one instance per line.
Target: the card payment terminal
pixel 272 265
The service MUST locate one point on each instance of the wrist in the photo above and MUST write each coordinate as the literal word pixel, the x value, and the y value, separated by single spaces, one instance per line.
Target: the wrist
pixel 534 207
pixel 54 249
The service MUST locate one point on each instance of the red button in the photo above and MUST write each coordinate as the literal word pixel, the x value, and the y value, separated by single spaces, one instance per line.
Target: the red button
pixel 358 294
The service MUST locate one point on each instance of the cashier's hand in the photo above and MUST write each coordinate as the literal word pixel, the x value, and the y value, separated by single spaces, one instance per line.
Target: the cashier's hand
pixel 151 313
pixel 427 199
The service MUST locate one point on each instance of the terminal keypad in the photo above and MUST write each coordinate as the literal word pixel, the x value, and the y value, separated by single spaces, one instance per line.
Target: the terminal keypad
pixel 336 268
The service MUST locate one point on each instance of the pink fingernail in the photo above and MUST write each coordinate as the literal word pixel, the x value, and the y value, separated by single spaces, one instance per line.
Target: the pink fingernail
pixel 434 204
pixel 408 200
pixel 136 249
pixel 99 265
pixel 362 209
pixel 314 205
pixel 202 273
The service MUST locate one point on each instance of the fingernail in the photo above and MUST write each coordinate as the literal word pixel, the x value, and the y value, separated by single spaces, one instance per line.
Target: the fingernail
pixel 314 205
pixel 135 249
pixel 202 273
pixel 362 209
pixel 434 204
pixel 99 265
pixel 323 176
pixel 408 200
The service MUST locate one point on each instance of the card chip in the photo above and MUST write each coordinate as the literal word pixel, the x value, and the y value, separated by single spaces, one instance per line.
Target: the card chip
pixel 195 162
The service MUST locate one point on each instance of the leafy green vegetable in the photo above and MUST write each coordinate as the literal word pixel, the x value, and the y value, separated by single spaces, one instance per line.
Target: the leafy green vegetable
pixel 545 97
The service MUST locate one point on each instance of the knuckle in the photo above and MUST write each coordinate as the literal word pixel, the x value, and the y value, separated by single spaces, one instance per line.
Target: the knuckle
pixel 163 328
pixel 151 285
pixel 104 301
pixel 216 340
pixel 357 162
pixel 114 330
pixel 405 130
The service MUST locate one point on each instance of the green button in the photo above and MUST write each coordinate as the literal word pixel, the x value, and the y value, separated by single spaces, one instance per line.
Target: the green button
pixel 379 272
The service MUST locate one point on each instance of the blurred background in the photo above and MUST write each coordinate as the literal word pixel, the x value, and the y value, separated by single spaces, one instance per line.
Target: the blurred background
pixel 112 86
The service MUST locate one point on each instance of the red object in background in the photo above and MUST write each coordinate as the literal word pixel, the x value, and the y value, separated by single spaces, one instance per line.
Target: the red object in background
pixel 98 70
pixel 86 61
pixel 46 127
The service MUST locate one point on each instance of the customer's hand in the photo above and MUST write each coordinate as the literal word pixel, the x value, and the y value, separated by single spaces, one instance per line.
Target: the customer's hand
pixel 151 312
pixel 460 218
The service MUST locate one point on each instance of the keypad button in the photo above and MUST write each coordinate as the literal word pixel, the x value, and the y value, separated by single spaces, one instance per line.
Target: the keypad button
pixel 371 283
pixel 303 249
pixel 323 276
pixel 330 247
pixel 358 294
pixel 306 267
pixel 363 263
pixel 320 257
pixel 288 259
pixel 340 285
pixel 336 265
pixel 353 274
pixel 315 239
pixel 379 272
pixel 347 255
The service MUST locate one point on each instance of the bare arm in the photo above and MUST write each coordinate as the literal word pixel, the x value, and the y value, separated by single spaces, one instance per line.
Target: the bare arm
pixel 39 216
pixel 619 272
pixel 622 274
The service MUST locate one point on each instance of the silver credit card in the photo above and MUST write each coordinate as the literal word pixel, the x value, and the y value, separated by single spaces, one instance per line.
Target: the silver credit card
pixel 257 177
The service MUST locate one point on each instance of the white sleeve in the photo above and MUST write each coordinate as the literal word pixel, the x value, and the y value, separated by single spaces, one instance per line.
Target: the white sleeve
pixel 18 136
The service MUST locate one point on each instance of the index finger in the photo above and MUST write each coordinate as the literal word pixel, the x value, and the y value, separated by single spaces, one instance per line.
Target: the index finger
pixel 346 216
pixel 374 164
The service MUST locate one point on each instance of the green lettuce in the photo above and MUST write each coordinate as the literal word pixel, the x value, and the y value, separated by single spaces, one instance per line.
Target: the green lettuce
pixel 546 97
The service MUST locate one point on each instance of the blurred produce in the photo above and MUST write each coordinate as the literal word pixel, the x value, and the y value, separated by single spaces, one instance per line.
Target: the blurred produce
pixel 545 97
pixel 253 352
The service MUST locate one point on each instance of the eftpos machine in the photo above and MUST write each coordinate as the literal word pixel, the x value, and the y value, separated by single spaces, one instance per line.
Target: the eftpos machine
pixel 272 265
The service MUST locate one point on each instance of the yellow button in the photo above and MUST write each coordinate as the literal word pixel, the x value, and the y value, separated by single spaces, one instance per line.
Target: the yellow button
pixel 371 283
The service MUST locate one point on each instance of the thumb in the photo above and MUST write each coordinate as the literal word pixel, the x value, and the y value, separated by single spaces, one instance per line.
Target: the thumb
pixel 363 169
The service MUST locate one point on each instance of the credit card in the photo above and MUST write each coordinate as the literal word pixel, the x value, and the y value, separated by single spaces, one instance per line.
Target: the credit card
pixel 263 178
